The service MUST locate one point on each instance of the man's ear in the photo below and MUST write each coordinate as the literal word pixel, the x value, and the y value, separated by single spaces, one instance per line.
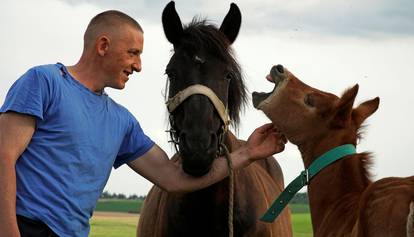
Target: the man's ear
pixel 102 45
pixel 343 108
pixel 364 110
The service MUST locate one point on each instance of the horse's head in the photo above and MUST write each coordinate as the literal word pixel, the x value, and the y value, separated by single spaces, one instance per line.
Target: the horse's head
pixel 306 114
pixel 202 56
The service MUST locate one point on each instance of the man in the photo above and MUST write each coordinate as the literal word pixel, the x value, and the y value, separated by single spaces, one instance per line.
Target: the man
pixel 60 135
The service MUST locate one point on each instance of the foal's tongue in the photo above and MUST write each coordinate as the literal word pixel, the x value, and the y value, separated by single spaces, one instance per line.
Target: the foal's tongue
pixel 270 78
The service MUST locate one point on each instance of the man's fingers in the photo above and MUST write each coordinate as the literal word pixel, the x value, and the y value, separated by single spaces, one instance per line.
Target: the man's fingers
pixel 282 138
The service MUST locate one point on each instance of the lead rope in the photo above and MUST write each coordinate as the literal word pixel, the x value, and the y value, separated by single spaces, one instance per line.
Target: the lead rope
pixel 231 188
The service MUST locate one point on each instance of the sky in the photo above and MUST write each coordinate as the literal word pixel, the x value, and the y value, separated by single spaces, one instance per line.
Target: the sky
pixel 330 45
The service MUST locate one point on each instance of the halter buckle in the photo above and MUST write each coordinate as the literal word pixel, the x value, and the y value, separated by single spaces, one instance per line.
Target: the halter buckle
pixel 305 177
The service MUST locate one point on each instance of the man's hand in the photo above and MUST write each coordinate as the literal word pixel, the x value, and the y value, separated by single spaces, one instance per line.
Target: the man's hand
pixel 265 141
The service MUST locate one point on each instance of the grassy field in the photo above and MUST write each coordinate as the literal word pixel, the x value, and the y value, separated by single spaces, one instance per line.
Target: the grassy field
pixel 114 205
pixel 113 220
pixel 113 224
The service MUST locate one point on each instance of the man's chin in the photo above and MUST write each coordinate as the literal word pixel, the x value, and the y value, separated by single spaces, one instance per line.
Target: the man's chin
pixel 120 85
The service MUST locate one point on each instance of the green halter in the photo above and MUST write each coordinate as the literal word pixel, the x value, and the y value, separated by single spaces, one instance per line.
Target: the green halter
pixel 303 179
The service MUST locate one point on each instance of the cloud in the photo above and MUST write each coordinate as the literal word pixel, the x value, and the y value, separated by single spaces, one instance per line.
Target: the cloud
pixel 354 18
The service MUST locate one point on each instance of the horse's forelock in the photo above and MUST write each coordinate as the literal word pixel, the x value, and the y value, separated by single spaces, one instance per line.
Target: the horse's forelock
pixel 200 35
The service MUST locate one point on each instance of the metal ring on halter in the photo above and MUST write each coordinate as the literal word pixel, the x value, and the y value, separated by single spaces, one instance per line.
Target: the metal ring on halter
pixel 173 134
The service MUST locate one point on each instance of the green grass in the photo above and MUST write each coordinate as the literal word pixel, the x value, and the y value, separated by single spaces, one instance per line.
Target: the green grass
pixel 112 228
pixel 114 205
pixel 299 208
pixel 115 226
pixel 302 226
pixel 301 221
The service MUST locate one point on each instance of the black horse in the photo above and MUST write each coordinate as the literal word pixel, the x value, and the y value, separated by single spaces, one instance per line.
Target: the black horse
pixel 203 57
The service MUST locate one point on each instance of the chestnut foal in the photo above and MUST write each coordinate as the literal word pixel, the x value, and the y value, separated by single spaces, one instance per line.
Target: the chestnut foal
pixel 343 199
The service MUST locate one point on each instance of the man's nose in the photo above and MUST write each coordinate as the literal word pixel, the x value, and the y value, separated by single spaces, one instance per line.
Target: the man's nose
pixel 136 66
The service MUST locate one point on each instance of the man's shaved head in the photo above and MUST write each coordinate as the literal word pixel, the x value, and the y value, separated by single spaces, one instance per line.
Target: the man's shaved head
pixel 108 22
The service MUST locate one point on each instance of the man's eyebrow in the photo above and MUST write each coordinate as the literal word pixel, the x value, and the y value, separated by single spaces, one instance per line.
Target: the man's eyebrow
pixel 133 50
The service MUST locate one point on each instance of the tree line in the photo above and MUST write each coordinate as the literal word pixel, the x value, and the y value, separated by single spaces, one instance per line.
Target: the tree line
pixel 109 195
pixel 301 198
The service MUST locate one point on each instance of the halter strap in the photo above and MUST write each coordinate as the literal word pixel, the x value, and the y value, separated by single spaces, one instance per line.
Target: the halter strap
pixel 304 178
pixel 176 100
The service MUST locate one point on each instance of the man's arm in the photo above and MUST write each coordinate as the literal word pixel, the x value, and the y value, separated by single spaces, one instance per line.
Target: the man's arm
pixel 157 168
pixel 16 131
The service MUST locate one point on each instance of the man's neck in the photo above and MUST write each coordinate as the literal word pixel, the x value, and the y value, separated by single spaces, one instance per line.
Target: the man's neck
pixel 87 75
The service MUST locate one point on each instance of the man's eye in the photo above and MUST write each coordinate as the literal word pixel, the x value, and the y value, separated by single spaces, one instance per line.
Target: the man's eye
pixel 132 53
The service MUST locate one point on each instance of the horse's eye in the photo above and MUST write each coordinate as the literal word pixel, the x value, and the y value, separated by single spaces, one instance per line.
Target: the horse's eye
pixel 228 77
pixel 199 60
pixel 170 74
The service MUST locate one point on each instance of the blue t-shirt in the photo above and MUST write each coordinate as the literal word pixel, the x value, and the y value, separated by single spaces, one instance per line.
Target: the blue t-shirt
pixel 79 136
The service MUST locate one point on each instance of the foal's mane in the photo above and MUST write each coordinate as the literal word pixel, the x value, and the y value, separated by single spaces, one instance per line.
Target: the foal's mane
pixel 200 35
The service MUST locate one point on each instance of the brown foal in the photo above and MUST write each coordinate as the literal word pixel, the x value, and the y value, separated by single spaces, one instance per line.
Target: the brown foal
pixel 344 201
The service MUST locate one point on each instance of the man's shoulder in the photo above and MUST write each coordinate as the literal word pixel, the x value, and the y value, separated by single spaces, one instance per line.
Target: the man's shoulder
pixel 47 72
pixel 46 69
pixel 120 108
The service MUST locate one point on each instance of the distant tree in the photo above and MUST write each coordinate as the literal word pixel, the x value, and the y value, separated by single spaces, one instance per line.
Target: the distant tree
pixel 301 198
pixel 121 196
pixel 106 195
pixel 133 197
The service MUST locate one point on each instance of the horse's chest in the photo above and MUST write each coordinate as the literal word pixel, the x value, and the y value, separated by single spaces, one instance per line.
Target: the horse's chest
pixel 205 213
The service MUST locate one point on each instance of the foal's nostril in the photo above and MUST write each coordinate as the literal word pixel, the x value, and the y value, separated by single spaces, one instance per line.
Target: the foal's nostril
pixel 279 68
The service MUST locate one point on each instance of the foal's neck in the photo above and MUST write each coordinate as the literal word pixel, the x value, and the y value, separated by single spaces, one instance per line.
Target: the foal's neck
pixel 337 186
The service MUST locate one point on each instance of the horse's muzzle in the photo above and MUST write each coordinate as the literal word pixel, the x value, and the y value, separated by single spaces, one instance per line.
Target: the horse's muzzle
pixel 198 162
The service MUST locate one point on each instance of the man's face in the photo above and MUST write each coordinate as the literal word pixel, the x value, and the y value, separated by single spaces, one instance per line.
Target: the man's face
pixel 123 57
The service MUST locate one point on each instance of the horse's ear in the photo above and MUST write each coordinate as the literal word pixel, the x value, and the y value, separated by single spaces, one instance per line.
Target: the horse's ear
pixel 364 110
pixel 231 23
pixel 343 108
pixel 173 28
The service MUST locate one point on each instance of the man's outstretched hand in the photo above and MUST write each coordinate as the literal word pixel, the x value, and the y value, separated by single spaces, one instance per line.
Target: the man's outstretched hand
pixel 265 141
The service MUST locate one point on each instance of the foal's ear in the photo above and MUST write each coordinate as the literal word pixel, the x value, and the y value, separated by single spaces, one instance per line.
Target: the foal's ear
pixel 173 28
pixel 343 108
pixel 364 110
pixel 231 23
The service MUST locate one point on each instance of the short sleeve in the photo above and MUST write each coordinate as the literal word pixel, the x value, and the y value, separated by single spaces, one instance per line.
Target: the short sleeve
pixel 30 95
pixel 135 144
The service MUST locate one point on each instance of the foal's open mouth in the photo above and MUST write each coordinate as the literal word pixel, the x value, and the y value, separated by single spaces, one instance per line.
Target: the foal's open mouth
pixel 277 75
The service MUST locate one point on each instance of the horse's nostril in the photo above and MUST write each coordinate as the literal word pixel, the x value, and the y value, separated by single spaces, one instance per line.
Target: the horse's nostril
pixel 197 142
